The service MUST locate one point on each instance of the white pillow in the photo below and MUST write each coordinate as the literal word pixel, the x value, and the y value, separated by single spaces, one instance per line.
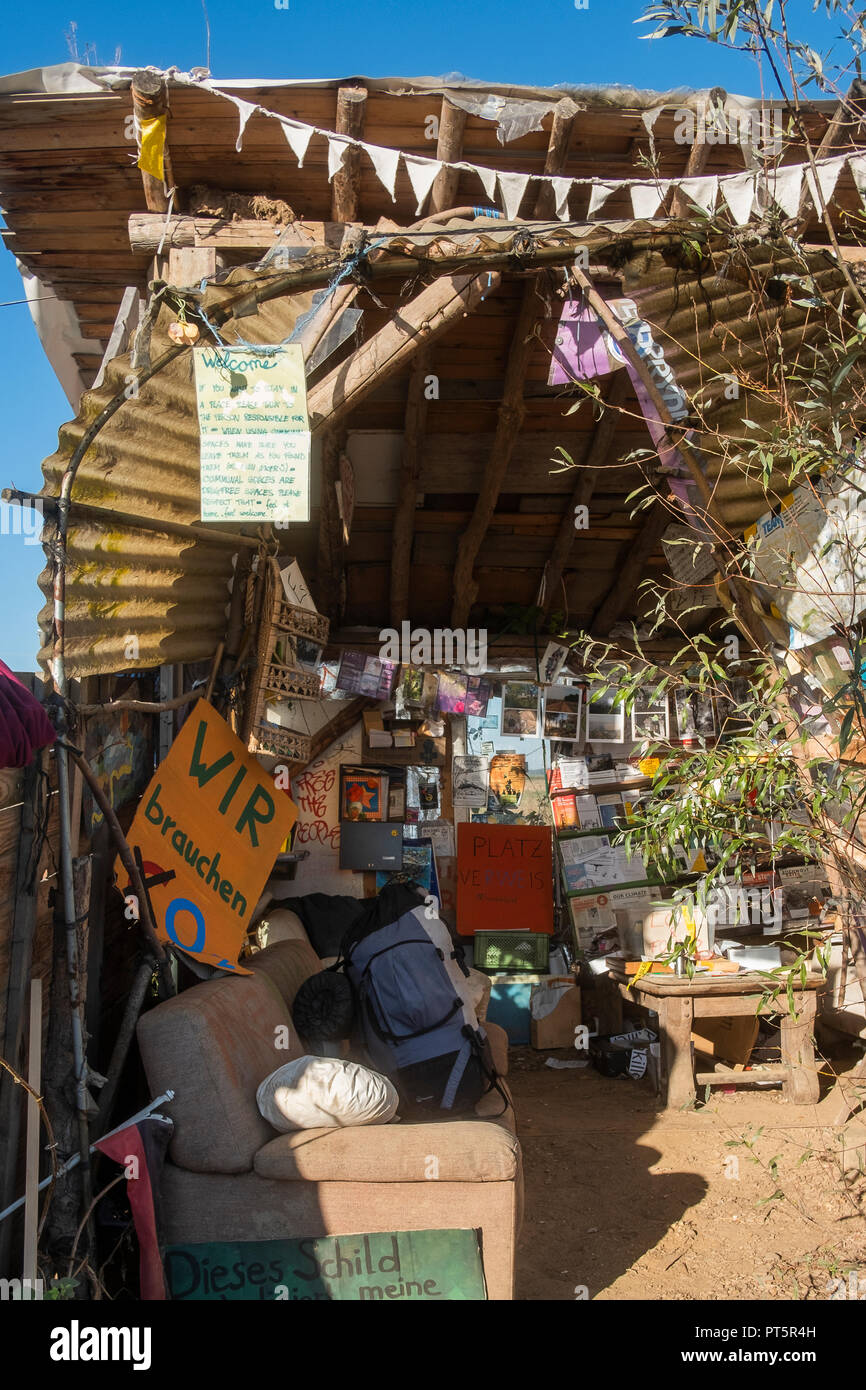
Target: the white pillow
pixel 325 1092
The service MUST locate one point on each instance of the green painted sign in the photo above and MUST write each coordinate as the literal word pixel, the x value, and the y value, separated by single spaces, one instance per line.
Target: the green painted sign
pixel 398 1267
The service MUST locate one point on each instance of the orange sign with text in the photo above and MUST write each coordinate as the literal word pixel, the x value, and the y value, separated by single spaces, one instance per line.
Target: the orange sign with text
pixel 504 878
pixel 209 828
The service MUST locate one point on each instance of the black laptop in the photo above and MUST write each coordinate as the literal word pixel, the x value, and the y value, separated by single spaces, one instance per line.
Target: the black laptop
pixel 371 845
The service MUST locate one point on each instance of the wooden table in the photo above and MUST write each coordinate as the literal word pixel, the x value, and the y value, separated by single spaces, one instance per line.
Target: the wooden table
pixel 679 1001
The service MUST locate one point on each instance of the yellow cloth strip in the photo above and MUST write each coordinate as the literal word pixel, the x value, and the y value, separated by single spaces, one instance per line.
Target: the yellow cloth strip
pixel 150 156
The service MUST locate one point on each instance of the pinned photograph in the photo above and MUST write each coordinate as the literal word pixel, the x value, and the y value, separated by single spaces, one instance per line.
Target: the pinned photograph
pixel 520 709
pixel 563 705
pixel 605 720
pixel 649 717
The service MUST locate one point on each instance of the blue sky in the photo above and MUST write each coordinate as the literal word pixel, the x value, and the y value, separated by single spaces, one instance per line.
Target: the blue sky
pixel 540 43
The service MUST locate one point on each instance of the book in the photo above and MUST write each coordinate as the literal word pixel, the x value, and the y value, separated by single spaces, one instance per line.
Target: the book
pixel 564 810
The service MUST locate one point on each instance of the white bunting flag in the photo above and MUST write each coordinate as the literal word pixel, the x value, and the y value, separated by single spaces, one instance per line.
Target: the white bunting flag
pixel 649 118
pixel 739 194
pixel 385 162
pixel 701 192
pixel 337 147
pixel 512 188
pixel 828 176
pixel 646 197
pixel 422 174
pixel 857 165
pixel 488 179
pixel 561 190
pixel 299 137
pixel 245 110
pixel 785 186
pixel 601 191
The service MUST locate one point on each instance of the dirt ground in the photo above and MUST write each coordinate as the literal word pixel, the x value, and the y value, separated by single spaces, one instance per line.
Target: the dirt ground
pixel 744 1197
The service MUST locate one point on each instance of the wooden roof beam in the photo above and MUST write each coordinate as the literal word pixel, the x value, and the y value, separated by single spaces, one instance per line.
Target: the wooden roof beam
pixel 512 409
pixel 413 326
pixel 587 476
pixel 622 591
pixel 404 512
pixel 510 418
pixel 149 99
pixel 449 148
pixel 346 187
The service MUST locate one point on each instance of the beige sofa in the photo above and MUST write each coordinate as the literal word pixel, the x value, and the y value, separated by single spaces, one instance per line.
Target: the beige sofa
pixel 230 1176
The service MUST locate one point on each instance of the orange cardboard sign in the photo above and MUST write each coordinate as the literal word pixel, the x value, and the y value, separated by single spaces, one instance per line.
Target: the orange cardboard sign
pixel 504 878
pixel 209 828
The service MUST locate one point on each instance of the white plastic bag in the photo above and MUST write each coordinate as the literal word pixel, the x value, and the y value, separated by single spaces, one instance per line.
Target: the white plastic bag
pixel 325 1092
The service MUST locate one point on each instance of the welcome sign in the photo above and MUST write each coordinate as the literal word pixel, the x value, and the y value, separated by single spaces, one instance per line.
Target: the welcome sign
pixel 398 1267
pixel 255 433
pixel 209 828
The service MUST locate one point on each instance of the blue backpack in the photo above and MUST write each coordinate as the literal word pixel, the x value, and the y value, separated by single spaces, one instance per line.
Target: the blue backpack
pixel 413 1010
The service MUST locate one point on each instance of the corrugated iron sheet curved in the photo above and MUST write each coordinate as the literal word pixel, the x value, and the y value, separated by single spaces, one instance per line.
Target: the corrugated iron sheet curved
pixel 139 589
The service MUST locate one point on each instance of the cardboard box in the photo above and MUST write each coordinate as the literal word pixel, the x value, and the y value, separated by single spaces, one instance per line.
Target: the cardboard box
pixel 556 1028
pixel 726 1039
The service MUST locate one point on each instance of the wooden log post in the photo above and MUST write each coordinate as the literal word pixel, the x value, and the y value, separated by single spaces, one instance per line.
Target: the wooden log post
pixel 557 155
pixel 346 187
pixel 415 325
pixel 449 149
pixel 587 477
pixel 798 1053
pixel 404 513
pixel 676 1016
pixel 699 155
pixel 149 99
pixel 509 421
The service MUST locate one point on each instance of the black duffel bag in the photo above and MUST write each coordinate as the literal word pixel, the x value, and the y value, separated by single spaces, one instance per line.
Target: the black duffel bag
pixel 324 1007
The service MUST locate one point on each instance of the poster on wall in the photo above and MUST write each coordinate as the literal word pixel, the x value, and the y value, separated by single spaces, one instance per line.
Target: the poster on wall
pixel 366 675
pixel 451 696
pixel 504 878
pixel 254 433
pixel 552 662
pixel 478 694
pixel 209 828
pixel 507 780
pixel 469 781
